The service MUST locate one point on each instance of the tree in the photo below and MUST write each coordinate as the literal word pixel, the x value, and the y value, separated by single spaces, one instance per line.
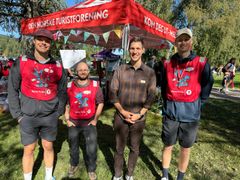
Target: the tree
pixel 215 25
pixel 11 11
pixel 162 9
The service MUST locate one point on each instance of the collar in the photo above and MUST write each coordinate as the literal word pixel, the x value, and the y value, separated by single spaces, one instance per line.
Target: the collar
pixel 31 56
pixel 191 56
pixel 79 85
pixel 130 66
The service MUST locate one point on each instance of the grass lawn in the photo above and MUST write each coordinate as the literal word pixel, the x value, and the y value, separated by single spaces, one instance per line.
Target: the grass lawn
pixel 216 155
pixel 218 80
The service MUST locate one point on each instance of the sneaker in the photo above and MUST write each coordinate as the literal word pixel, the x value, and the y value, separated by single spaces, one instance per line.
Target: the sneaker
pixel 117 178
pixel 52 178
pixel 72 170
pixel 129 177
pixel 164 178
pixel 92 175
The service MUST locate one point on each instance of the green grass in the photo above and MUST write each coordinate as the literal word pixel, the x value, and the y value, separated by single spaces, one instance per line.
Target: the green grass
pixel 218 80
pixel 216 155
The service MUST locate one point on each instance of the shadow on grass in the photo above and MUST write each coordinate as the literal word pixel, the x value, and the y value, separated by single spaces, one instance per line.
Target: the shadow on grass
pixel 10 161
pixel 221 117
pixel 106 143
pixel 7 123
pixel 150 160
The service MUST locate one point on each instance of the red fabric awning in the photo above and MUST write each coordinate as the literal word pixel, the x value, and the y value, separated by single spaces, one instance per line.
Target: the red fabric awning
pixel 101 16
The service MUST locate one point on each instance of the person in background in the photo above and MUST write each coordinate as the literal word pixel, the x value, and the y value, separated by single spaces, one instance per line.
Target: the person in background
pixel 151 62
pixel 37 97
pixel 229 74
pixel 6 67
pixel 85 106
pixel 187 83
pixel 158 68
pixel 132 91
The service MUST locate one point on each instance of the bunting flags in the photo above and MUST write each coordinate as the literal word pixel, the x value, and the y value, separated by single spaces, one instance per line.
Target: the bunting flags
pixel 66 39
pixel 106 36
pixel 73 32
pixel 118 31
pixel 96 37
pixel 86 36
pixel 78 32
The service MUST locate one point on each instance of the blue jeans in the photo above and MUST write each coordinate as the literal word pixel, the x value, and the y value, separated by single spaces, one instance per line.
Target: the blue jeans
pixel 90 136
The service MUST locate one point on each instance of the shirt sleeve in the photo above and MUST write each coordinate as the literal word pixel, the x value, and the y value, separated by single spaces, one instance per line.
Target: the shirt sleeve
pixel 206 82
pixel 99 96
pixel 62 93
pixel 14 82
pixel 114 87
pixel 151 91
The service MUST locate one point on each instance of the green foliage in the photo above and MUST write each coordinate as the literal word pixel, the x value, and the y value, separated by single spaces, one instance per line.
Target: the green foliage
pixel 215 25
pixel 162 9
pixel 11 12
pixel 10 46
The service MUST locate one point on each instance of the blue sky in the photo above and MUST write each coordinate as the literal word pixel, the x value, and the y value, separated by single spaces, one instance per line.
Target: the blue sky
pixel 69 4
pixel 73 2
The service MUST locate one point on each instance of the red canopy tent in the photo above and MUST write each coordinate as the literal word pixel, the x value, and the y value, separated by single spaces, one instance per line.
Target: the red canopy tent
pixel 107 23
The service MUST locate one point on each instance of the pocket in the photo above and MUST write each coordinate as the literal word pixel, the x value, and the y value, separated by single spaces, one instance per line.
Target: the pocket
pixel 22 121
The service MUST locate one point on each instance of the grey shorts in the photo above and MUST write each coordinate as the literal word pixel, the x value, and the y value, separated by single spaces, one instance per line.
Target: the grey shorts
pixel 33 128
pixel 184 132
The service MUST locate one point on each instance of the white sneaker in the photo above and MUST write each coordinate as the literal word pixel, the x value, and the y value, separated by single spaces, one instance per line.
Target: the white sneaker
pixel 164 178
pixel 129 177
pixel 117 178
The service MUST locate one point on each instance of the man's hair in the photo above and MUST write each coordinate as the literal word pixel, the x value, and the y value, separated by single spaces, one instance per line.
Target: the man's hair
pixel 232 60
pixel 136 39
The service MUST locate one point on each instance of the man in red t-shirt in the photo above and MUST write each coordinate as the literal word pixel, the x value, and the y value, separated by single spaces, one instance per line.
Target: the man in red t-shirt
pixel 85 106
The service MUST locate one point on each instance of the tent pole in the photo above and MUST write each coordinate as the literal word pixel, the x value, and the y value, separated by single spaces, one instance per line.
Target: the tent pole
pixel 125 41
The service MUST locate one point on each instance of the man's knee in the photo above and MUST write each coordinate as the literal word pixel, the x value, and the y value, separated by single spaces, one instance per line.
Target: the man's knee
pixel 168 148
pixel 47 145
pixel 185 150
pixel 29 149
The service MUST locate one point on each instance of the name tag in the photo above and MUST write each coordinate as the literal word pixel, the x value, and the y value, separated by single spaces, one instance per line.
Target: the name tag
pixel 86 92
pixel 142 81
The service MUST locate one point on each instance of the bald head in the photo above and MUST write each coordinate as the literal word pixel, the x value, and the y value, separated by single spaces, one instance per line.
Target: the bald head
pixel 82 70
pixel 82 65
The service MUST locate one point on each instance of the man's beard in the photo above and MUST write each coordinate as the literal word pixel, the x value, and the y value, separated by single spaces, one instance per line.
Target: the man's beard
pixel 83 78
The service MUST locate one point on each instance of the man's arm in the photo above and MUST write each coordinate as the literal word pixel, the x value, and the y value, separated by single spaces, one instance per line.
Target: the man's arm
pixel 126 115
pixel 206 83
pixel 100 104
pixel 67 116
pixel 62 93
pixel 97 114
pixel 151 91
pixel 14 82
